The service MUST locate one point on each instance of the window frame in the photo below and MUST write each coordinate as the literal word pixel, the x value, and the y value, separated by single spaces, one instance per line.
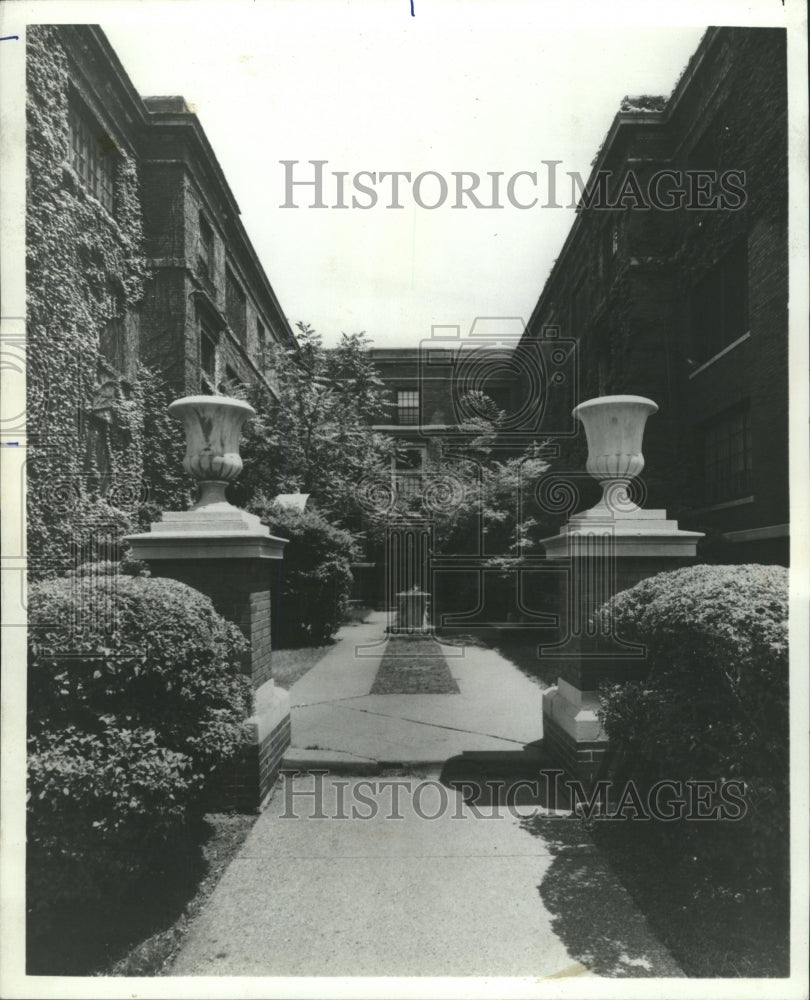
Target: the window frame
pixel 208 376
pixel 96 168
pixel 412 410
pixel 408 477
pixel 261 343
pixel 235 290
pixel 719 303
pixel 726 454
pixel 205 249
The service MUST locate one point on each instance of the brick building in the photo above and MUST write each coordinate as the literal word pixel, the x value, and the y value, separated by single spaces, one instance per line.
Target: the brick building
pixel 426 389
pixel 136 257
pixel 207 313
pixel 683 298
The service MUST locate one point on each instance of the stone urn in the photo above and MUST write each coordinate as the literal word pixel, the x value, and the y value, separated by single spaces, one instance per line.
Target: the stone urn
pixel 213 425
pixel 614 427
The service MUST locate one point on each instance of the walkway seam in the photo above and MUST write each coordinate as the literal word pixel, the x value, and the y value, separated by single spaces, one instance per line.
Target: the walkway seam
pixel 436 725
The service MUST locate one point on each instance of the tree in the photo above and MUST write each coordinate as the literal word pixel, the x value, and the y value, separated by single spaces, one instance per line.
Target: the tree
pixel 316 437
pixel 476 504
pixel 467 490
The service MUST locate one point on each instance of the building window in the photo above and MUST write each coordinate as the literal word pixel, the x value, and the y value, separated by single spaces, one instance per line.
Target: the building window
pixel 727 455
pixel 408 406
pixel 208 357
pixel 408 468
pixel 92 156
pixel 579 307
pixel 231 383
pixel 261 345
pixel 112 343
pixel 235 306
pixel 205 250
pixel 606 249
pixel 610 244
pixel 720 304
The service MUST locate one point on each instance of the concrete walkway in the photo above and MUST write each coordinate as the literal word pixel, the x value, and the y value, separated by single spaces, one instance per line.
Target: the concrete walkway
pixel 335 719
pixel 429 869
pixel 349 877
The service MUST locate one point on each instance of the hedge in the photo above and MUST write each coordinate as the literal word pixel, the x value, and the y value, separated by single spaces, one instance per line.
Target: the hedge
pixel 311 589
pixel 714 705
pixel 135 696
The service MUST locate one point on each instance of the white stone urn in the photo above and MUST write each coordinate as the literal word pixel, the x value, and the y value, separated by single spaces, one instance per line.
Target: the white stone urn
pixel 213 425
pixel 614 426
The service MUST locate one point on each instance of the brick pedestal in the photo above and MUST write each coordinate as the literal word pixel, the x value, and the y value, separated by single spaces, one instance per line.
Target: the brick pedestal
pixel 602 554
pixel 229 556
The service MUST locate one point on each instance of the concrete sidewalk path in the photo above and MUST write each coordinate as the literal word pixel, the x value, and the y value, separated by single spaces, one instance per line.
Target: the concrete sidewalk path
pixel 418 869
pixel 471 892
pixel 335 718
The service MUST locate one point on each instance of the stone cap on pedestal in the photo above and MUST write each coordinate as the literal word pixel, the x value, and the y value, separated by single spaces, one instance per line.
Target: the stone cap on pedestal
pixel 633 533
pixel 217 531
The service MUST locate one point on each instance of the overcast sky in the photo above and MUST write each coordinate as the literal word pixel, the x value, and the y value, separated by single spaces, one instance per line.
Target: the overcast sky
pixel 468 86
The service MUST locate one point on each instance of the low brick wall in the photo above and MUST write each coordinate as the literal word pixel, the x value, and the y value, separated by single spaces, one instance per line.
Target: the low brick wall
pixel 245 784
pixel 579 760
pixel 239 592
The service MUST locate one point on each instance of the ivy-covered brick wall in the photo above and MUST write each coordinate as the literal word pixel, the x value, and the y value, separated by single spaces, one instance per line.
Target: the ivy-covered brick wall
pixel 87 398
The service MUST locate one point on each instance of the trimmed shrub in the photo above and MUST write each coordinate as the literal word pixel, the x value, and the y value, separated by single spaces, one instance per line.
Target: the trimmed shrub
pixel 102 809
pixel 312 588
pixel 151 654
pixel 715 703
pixel 135 696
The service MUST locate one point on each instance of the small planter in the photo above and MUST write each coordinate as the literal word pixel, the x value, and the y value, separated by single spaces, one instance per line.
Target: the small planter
pixel 412 612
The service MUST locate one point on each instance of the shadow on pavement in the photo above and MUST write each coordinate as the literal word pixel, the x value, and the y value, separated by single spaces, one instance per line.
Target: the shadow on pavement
pixel 592 913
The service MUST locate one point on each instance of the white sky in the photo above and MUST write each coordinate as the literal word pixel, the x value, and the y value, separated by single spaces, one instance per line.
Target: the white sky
pixel 461 86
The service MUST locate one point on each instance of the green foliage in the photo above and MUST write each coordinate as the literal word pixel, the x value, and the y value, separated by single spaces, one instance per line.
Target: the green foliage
pixel 135 696
pixel 168 663
pixel 501 495
pixel 316 437
pixel 715 703
pixel 468 491
pixel 102 809
pixel 84 270
pixel 312 587
pixel 165 485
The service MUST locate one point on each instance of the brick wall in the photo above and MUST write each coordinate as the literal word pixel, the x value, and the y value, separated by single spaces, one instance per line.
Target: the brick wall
pixel 631 311
pixel 240 593
pixel 240 785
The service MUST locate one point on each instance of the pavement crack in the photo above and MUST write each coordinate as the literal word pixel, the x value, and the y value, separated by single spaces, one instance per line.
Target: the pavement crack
pixel 349 753
pixel 435 725
pixel 328 701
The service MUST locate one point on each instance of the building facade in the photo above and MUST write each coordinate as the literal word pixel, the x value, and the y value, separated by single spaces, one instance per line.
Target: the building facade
pixel 678 291
pixel 135 256
pixel 428 389
pixel 133 190
pixel 210 314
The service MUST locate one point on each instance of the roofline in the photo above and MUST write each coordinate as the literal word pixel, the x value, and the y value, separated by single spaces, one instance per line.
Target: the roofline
pixel 152 119
pixel 102 42
pixel 620 120
pixel 190 123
